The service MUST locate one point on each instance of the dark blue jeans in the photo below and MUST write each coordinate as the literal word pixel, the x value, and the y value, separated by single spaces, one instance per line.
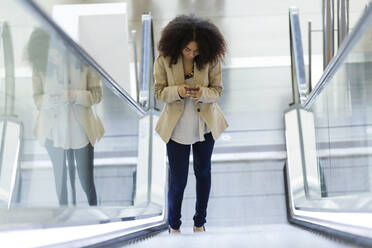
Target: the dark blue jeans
pixel 178 157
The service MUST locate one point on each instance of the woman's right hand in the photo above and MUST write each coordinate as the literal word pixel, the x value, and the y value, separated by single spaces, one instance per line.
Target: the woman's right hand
pixel 182 90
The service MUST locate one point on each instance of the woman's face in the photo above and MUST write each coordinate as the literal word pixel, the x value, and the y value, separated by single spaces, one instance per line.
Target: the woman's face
pixel 191 50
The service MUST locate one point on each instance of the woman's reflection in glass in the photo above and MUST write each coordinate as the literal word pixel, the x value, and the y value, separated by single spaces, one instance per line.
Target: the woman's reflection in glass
pixel 64 92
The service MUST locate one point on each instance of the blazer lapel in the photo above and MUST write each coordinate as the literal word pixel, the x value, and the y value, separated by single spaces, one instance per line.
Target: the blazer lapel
pixel 199 75
pixel 178 72
pixel 196 74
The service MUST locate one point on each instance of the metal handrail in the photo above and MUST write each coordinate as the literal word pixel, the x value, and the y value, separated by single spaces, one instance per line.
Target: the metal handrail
pixel 9 119
pixel 341 55
pixel 110 82
pixel 299 85
pixel 5 36
pixel 135 62
pixel 147 98
pixel 309 23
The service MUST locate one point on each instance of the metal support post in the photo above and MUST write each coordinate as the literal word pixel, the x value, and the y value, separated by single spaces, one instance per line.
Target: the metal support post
pixel 343 20
pixel 328 35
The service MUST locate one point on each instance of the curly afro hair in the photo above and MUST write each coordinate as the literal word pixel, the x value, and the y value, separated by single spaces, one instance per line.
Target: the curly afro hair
pixel 186 28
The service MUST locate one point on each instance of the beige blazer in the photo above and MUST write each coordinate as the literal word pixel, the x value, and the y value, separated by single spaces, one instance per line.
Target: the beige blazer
pixel 167 80
pixel 88 92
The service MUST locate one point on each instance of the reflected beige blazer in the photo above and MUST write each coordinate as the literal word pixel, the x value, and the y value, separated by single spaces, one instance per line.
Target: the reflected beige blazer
pixel 167 80
pixel 88 92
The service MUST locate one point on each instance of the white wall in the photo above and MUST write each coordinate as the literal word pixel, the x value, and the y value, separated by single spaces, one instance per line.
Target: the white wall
pixel 102 30
pixel 105 37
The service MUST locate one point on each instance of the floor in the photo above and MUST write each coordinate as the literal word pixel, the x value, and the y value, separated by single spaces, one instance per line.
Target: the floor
pixel 275 235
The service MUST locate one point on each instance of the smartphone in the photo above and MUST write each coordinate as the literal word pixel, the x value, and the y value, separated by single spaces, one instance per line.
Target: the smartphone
pixel 191 89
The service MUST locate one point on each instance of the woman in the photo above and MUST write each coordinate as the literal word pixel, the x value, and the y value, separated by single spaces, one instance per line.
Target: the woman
pixel 188 79
pixel 64 91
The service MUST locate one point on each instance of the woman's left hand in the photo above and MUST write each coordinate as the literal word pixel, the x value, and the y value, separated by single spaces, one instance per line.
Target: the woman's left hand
pixel 195 94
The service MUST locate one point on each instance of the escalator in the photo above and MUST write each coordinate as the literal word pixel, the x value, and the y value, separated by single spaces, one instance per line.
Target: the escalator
pixel 84 153
pixel 249 198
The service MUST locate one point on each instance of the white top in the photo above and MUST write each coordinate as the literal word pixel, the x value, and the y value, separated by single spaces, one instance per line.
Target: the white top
pixel 66 131
pixel 190 127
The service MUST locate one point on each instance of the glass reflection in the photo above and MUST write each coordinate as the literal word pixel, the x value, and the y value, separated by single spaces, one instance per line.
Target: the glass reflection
pixel 342 119
pixel 64 91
